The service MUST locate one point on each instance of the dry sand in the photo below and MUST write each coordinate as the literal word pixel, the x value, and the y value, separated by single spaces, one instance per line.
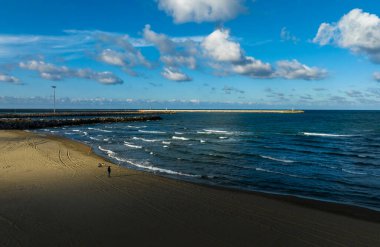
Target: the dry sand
pixel 53 194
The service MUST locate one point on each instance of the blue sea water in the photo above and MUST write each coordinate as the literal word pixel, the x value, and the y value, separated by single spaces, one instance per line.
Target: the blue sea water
pixel 324 155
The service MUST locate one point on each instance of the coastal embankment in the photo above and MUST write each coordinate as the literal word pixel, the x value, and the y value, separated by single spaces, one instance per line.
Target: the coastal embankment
pixel 52 193
pixel 222 111
pixel 28 123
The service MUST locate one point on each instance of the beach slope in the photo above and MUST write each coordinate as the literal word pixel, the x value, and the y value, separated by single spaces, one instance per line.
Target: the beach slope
pixel 53 194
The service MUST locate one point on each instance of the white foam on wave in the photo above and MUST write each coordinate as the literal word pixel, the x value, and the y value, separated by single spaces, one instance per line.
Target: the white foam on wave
pixel 353 172
pixel 219 132
pixel 165 146
pixel 136 127
pixel 93 138
pixel 146 165
pixel 106 139
pixel 77 131
pixel 109 152
pixel 152 131
pixel 281 173
pixel 166 143
pixel 324 134
pixel 275 159
pixel 223 137
pixel 127 144
pixel 202 141
pixel 145 140
pixel 101 130
pixel 180 138
pixel 178 133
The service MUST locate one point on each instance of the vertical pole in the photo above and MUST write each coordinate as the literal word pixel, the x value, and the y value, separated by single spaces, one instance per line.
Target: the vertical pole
pixel 54 87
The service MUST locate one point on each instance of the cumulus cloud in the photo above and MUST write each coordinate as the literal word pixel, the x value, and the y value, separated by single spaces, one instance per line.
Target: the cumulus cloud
pixel 175 75
pixel 9 79
pixel 228 57
pixel 376 76
pixel 295 70
pixel 56 73
pixel 357 31
pixel 201 10
pixel 173 54
pixel 253 68
pixel 221 48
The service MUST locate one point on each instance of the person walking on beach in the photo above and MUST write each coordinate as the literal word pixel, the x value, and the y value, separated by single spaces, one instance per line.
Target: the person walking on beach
pixel 109 171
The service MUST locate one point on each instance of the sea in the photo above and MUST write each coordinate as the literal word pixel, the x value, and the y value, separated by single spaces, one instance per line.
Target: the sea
pixel 330 156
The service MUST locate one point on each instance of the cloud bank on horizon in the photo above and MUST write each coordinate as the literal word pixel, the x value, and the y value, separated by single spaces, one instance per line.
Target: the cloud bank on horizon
pixel 112 58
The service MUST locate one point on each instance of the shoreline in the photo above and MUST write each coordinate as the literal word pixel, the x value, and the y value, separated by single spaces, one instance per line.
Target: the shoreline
pixel 43 174
pixel 350 210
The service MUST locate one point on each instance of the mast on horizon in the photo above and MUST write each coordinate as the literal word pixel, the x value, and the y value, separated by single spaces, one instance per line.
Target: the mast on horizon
pixel 54 87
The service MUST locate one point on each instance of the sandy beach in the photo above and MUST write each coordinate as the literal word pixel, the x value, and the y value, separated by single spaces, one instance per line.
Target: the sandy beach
pixel 53 194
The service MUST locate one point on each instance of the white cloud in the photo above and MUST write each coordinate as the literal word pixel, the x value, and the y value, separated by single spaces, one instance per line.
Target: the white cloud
pixel 376 76
pixel 173 54
pixel 56 73
pixel 295 70
pixel 228 57
pixel 175 75
pixel 221 48
pixel 253 68
pixel 112 57
pixel 201 10
pixel 9 79
pixel 357 31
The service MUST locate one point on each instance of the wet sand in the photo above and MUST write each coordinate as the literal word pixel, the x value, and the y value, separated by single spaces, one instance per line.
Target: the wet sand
pixel 53 194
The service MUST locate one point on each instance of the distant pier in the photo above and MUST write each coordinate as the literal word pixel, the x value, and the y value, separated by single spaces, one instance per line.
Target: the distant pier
pixel 220 111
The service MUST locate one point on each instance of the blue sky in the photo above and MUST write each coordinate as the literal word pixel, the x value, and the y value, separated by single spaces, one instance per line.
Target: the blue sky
pixel 190 54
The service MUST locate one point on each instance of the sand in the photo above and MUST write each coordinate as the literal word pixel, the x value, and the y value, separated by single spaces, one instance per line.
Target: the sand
pixel 53 194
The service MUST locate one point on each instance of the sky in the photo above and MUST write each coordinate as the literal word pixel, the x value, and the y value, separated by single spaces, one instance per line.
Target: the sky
pixel 235 54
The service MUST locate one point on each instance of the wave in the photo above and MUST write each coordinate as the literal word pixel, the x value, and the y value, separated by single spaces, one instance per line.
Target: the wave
pixel 93 138
pixel 166 143
pixel 152 131
pixel 324 134
pixel 127 144
pixel 180 138
pixel 223 137
pixel 109 152
pixel 202 141
pixel 101 130
pixel 178 133
pixel 145 140
pixel 147 166
pixel 275 159
pixel 281 173
pixel 353 172
pixel 216 132
pixel 136 127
